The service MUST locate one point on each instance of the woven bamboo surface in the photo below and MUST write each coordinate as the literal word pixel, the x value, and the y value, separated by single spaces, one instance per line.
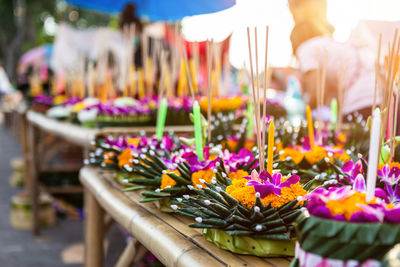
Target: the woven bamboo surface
pixel 167 236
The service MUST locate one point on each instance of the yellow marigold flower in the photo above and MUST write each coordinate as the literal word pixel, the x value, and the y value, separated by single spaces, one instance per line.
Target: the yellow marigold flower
pixel 108 157
pixel 279 146
pixel 206 175
pixel 221 104
pixel 349 205
pixel 231 144
pixel 394 164
pixel 342 138
pixel 344 157
pixel 246 194
pixel 295 154
pixel 287 194
pixel 78 107
pixel 237 175
pixel 315 155
pixel 133 141
pixel 125 158
pixel 59 99
pixel 168 181
pixel 249 144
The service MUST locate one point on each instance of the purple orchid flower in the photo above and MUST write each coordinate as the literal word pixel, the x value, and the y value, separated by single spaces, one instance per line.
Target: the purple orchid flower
pixel 352 169
pixel 391 176
pixel 266 184
pixel 195 165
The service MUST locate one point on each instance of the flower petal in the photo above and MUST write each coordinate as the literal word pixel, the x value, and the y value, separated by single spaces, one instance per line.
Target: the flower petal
pixel 294 179
pixel 359 183
pixel 348 166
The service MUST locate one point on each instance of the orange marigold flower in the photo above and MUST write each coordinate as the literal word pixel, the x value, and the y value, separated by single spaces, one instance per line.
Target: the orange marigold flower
pixel 205 175
pixel 231 144
pixel 238 174
pixel 246 194
pixel 295 154
pixel 342 138
pixel 108 157
pixel 315 155
pixel 349 205
pixel 221 104
pixel 133 141
pixel 168 181
pixel 249 144
pixel 125 158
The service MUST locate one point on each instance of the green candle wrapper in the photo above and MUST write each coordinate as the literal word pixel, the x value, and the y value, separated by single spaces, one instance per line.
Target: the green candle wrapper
pixel 345 240
pixel 250 246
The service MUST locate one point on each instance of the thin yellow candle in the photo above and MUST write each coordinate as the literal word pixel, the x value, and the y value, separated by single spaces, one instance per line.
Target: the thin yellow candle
pixel 141 83
pixel 271 135
pixel 192 67
pixel 132 81
pixel 182 82
pixel 310 127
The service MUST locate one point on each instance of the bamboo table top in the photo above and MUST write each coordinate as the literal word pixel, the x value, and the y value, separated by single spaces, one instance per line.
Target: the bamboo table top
pixel 167 236
pixel 70 132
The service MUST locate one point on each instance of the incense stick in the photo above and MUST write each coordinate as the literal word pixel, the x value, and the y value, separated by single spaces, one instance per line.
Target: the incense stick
pixel 258 121
pixel 264 95
pixel 252 84
pixel 188 72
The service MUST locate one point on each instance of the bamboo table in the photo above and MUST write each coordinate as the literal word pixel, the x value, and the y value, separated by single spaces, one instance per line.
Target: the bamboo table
pixel 167 236
pixel 73 134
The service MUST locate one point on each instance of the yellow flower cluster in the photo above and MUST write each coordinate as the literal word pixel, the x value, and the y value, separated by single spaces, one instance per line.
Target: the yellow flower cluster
pixel 125 158
pixel 133 141
pixel 221 104
pixel 295 154
pixel 239 174
pixel 391 165
pixel 246 194
pixel 349 205
pixel 59 99
pixel 315 155
pixel 206 175
pixel 168 181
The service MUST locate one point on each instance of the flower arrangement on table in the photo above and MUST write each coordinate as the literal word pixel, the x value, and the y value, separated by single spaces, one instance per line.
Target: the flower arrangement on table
pixel 41 102
pixel 251 216
pixel 355 221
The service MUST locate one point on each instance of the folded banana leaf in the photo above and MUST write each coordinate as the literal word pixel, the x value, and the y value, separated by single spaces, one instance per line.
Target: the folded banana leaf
pixel 249 245
pixel 345 240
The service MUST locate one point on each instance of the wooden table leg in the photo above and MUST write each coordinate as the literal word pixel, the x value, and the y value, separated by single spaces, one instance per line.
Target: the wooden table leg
pixel 33 186
pixel 94 232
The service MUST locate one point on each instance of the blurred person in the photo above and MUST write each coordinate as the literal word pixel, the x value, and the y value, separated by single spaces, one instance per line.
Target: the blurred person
pixel 126 19
pixel 312 42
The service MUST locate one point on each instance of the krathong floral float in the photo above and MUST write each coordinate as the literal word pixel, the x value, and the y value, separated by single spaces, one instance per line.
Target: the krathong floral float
pixel 354 224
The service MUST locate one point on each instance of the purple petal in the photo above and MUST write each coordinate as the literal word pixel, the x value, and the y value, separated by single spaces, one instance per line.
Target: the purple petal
pixel 276 179
pixel 292 180
pixel 392 215
pixel 265 176
pixel 359 184
pixel 266 189
pixel 363 217
pixel 321 212
pixel 396 196
pixel 386 170
pixel 389 190
pixel 380 193
pixel 348 166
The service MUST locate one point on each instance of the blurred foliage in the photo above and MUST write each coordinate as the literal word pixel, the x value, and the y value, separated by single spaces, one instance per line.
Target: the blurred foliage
pixel 29 23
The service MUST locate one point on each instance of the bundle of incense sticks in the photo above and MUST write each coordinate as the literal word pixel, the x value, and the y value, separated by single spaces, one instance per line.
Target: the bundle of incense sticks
pixel 256 95
pixel 387 80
